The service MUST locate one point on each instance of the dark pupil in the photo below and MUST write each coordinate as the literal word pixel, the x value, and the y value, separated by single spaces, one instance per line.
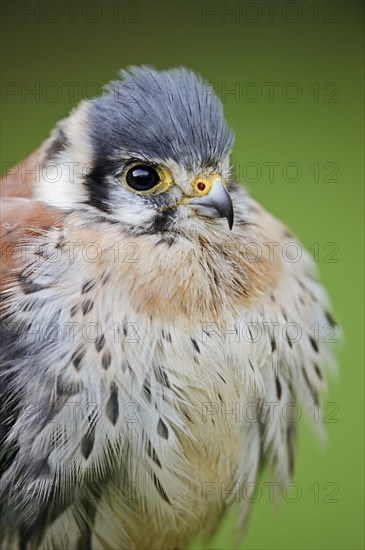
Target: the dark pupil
pixel 142 178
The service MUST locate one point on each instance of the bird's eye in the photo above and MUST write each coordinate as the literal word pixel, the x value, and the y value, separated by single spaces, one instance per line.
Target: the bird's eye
pixel 142 177
pixel 147 179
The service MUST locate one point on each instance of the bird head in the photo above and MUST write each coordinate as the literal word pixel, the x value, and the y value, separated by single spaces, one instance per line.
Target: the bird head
pixel 152 153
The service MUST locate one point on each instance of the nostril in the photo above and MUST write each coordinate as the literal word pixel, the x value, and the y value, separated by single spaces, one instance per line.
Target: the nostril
pixel 201 186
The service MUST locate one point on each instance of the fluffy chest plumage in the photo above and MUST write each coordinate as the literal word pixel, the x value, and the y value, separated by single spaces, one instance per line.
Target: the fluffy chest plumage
pixel 129 374
pixel 134 371
pixel 159 393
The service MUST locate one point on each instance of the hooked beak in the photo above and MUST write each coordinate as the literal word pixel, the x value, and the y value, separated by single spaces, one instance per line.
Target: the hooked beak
pixel 216 204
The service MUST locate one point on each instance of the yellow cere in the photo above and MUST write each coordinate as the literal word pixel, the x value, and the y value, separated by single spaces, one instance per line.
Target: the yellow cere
pixel 203 183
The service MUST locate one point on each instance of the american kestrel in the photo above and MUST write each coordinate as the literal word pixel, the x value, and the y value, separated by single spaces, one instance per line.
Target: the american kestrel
pixel 160 327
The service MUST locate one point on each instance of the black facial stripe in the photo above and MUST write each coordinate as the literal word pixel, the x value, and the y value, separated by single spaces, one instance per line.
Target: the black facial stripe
pixel 97 185
pixel 98 193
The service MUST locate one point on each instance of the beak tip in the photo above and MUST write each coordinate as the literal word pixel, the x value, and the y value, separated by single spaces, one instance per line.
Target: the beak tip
pixel 230 218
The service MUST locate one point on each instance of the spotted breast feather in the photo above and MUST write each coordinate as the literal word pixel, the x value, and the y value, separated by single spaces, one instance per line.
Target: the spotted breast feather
pixel 129 393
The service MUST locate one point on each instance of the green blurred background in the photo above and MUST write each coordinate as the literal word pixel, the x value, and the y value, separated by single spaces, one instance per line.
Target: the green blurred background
pixel 290 75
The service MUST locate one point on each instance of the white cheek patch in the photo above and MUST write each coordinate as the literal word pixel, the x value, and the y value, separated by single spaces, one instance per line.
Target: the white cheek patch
pixel 60 180
pixel 134 214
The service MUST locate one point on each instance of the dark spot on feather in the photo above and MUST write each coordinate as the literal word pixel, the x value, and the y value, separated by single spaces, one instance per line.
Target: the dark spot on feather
pixel 28 287
pixel 314 344
pixel 318 372
pixel 77 357
pixel 147 390
pixel 161 376
pixel 251 365
pixel 221 377
pixel 105 278
pixel 73 310
pixel 162 429
pixel 290 343
pixel 87 306
pixel 60 242
pixel 160 489
pixel 43 252
pixel 195 344
pixel 329 318
pixel 87 443
pixel 166 335
pixel 278 387
pixel 106 360
pixel 152 453
pixel 188 418
pixel 112 406
pixel 87 286
pixel 100 342
pixel 273 344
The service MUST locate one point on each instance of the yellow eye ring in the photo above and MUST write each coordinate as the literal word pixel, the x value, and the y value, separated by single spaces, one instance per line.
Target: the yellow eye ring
pixel 146 179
